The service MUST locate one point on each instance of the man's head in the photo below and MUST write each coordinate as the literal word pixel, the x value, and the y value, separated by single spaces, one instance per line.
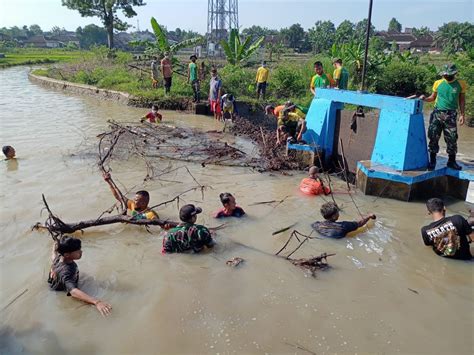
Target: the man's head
pixel 141 200
pixel 313 172
pixel 214 72
pixel 330 211
pixel 8 151
pixel 435 205
pixel 188 213
pixel 337 62
pixel 70 248
pixel 270 110
pixel 230 97
pixel 449 71
pixel 228 201
pixel 167 54
pixel 155 57
pixel 264 64
pixel 318 67
pixel 193 58
pixel 154 108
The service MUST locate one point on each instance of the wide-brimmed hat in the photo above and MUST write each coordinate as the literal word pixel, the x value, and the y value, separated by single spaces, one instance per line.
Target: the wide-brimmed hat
pixel 188 211
pixel 449 69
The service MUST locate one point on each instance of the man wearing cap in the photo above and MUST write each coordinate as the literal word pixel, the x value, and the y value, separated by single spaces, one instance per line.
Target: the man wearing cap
pixel 193 78
pixel 167 71
pixel 449 94
pixel 187 235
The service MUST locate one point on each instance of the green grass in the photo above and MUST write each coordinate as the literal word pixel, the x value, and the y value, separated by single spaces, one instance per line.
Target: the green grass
pixel 38 56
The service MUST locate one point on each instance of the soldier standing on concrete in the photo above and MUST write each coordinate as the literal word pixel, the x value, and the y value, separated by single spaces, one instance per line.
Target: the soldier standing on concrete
pixel 449 94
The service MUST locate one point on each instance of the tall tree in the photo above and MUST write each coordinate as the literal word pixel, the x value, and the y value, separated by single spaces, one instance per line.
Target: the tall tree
pixel 91 35
pixel 360 30
pixel 106 10
pixel 35 30
pixel 345 32
pixel 454 36
pixel 294 35
pixel 394 25
pixel 322 35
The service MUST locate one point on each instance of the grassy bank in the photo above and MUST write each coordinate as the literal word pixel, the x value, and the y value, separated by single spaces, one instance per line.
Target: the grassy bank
pixel 23 56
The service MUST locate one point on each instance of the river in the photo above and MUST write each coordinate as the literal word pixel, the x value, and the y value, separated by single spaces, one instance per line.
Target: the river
pixel 385 292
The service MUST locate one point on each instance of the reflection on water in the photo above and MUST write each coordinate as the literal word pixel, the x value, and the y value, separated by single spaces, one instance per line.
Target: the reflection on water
pixel 195 303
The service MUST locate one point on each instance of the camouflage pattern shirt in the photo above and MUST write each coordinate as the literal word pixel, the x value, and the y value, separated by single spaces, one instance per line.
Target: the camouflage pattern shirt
pixel 187 237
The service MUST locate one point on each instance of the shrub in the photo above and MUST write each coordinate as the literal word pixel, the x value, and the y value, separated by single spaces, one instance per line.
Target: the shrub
pixel 288 80
pixel 403 79
pixel 236 80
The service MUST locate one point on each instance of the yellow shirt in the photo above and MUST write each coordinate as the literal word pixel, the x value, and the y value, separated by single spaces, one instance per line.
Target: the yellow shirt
pixel 150 214
pixel 262 75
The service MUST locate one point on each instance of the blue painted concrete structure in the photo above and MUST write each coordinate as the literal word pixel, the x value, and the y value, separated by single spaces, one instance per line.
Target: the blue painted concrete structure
pixel 400 142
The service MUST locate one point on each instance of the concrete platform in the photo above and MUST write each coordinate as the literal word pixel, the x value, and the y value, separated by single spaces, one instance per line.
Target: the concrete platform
pixel 383 181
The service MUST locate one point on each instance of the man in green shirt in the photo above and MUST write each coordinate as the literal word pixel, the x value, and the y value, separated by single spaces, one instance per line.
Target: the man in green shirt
pixel 193 78
pixel 320 79
pixel 449 94
pixel 341 75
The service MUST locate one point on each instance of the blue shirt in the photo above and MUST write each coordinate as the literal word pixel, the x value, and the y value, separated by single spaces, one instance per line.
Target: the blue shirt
pixel 335 230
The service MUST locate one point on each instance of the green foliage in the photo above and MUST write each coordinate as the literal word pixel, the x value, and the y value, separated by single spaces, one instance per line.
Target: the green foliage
pixel 394 25
pixel 91 35
pixel 403 79
pixel 289 80
pixel 236 80
pixel 344 32
pixel 322 36
pixel 293 35
pixel 238 52
pixel 454 36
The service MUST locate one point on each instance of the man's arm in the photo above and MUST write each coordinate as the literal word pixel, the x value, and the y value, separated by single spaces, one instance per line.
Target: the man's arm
pixel 364 220
pixel 118 196
pixel 462 107
pixel 278 135
pixel 104 308
pixel 189 73
pixel 430 98
pixel 54 252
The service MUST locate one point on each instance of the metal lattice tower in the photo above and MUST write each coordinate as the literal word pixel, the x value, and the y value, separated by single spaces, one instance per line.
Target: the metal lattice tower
pixel 223 15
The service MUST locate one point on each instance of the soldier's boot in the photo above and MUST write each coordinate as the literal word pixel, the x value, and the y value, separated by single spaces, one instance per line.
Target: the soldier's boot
pixel 432 163
pixel 452 163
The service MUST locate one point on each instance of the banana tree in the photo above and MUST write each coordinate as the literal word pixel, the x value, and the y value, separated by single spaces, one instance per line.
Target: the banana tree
pixel 162 44
pixel 237 51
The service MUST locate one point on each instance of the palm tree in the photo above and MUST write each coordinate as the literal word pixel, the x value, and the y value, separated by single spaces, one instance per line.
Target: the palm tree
pixel 453 36
pixel 162 44
pixel 237 51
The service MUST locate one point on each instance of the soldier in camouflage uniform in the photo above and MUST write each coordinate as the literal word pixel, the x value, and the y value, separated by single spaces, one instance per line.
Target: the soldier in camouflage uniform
pixel 449 95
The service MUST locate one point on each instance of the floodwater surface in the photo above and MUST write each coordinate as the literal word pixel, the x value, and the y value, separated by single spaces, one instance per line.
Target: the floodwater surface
pixel 385 292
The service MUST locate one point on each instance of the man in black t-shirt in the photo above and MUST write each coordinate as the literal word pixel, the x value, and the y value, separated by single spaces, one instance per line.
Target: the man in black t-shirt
pixel 64 273
pixel 449 236
pixel 331 228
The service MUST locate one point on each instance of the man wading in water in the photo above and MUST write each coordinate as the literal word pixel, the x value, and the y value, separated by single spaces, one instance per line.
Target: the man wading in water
pixel 449 94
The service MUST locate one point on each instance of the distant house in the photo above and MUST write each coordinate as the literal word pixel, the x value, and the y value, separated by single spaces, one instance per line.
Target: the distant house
pixel 408 41
pixel 67 38
pixel 41 41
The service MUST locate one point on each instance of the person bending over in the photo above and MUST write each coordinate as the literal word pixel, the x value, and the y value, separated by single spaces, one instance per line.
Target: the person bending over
pixel 333 229
pixel 448 236
pixel 64 273
pixel 291 125
pixel 187 236
pixel 230 208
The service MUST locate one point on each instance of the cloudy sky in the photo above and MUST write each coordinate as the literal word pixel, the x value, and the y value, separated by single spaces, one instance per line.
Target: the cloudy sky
pixel 192 14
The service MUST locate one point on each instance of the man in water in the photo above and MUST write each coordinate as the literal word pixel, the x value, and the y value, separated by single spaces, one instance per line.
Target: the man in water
pixel 449 236
pixel 449 95
pixel 331 228
pixel 341 75
pixel 187 236
pixel 9 152
pixel 167 72
pixel 64 273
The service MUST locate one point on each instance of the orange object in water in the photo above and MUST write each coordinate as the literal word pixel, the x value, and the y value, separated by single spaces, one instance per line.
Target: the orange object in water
pixel 313 187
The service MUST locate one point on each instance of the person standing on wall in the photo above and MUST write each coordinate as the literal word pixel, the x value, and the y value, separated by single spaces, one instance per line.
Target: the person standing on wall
pixel 193 78
pixel 167 71
pixel 261 80
pixel 449 94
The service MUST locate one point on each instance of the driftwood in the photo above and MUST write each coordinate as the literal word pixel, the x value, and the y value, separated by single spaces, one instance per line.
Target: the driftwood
pixel 234 261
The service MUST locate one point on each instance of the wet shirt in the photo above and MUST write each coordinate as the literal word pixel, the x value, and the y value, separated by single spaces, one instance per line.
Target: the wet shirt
pixel 448 237
pixel 322 81
pixel 214 85
pixel 153 117
pixel 166 68
pixel 342 75
pixel 237 212
pixel 447 97
pixel 149 214
pixel 335 230
pixel 193 72
pixel 262 75
pixel 63 276
pixel 187 237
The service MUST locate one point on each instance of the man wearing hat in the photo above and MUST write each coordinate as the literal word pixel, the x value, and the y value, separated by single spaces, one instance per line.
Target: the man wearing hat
pixel 193 78
pixel 449 94
pixel 187 235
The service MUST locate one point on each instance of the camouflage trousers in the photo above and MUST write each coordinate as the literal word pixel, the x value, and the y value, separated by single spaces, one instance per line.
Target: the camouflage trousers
pixel 443 121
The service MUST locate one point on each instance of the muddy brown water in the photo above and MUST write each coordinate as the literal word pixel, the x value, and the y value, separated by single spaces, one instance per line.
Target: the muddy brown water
pixel 384 293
